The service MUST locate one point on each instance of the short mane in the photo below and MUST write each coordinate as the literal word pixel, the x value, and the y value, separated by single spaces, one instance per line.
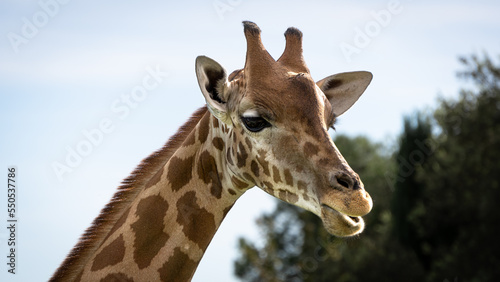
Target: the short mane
pixel 126 193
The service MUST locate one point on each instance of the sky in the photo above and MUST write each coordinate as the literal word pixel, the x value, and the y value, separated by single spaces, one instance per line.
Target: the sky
pixel 71 130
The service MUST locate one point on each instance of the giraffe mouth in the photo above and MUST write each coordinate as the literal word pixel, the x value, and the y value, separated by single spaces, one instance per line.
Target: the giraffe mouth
pixel 340 224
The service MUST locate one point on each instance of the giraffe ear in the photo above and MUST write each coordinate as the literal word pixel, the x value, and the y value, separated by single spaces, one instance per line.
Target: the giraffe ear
pixel 212 79
pixel 344 89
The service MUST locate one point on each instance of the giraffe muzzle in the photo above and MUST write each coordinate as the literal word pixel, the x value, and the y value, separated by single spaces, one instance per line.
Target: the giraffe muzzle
pixel 339 224
pixel 343 202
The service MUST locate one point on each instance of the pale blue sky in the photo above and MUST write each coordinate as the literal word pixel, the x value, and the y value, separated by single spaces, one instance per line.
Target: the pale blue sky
pixel 71 69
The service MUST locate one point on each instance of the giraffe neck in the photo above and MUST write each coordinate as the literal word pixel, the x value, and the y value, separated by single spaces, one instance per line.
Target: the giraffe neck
pixel 164 231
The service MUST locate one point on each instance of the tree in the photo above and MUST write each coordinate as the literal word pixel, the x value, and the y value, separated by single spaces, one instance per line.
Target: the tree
pixel 415 147
pixel 460 183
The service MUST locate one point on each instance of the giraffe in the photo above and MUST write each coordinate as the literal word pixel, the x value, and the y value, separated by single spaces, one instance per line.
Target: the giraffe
pixel 265 125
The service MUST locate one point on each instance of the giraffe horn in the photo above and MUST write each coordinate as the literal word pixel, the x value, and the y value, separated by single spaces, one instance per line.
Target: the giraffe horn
pixel 292 56
pixel 258 60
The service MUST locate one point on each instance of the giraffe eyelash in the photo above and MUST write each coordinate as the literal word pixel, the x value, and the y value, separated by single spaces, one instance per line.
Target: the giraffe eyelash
pixel 332 123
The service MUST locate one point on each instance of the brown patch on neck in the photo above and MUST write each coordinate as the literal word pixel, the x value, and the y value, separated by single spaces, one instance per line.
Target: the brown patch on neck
pixel 204 128
pixel 179 267
pixel 180 172
pixel 218 143
pixel 208 173
pixel 127 192
pixel 117 277
pixel 197 223
pixel 149 229
pixel 110 255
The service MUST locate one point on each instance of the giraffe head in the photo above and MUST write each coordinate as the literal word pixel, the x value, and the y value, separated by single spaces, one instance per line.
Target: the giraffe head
pixel 275 122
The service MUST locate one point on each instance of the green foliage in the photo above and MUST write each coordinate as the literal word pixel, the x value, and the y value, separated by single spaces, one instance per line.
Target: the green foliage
pixel 277 260
pixel 415 148
pixel 460 184
pixel 435 199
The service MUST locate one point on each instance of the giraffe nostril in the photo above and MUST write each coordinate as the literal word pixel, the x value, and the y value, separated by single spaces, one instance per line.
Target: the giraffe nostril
pixel 345 181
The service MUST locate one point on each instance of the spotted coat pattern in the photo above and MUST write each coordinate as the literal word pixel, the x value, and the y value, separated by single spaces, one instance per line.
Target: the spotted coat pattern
pixel 161 221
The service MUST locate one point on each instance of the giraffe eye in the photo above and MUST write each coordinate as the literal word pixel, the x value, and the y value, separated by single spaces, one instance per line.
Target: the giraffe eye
pixel 255 124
